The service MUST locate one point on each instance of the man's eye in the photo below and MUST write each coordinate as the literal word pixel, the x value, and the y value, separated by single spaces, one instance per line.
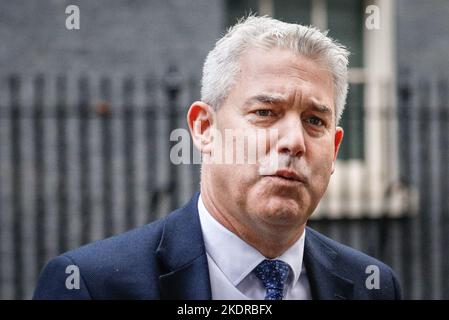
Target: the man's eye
pixel 264 113
pixel 315 121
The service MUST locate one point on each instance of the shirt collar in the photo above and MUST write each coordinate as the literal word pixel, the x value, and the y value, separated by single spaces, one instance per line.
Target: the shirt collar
pixel 226 248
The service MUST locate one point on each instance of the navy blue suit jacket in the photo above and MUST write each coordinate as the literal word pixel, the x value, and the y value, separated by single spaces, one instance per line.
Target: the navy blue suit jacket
pixel 167 260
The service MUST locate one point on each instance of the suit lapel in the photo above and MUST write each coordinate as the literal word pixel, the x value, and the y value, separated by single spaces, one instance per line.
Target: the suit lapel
pixel 321 263
pixel 183 257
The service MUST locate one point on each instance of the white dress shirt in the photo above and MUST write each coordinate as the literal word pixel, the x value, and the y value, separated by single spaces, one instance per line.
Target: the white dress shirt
pixel 231 262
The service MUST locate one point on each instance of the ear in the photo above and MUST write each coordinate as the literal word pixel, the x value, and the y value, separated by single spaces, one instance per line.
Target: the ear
pixel 337 142
pixel 200 119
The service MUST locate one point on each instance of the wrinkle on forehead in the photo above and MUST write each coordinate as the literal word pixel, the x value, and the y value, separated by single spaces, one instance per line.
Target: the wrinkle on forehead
pixel 292 76
pixel 255 58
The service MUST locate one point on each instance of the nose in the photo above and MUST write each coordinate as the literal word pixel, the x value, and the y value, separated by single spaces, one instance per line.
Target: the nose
pixel 291 137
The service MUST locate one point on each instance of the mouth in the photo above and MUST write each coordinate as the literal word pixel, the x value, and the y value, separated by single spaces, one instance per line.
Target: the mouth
pixel 289 175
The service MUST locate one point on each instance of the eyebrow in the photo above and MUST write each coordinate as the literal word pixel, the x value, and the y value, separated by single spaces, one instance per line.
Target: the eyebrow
pixel 277 99
pixel 266 98
pixel 321 108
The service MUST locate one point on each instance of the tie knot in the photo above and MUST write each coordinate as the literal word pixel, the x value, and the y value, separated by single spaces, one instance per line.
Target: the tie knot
pixel 273 274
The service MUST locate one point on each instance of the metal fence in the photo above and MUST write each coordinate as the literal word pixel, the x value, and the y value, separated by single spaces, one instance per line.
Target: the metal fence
pixel 85 158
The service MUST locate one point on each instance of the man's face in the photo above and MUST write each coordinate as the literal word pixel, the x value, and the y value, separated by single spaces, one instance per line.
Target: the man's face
pixel 293 97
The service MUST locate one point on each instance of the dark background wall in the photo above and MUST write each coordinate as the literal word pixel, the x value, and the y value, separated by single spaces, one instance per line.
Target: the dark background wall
pixel 423 37
pixel 115 36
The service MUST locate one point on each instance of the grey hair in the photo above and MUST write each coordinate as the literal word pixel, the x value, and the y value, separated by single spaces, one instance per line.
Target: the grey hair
pixel 222 63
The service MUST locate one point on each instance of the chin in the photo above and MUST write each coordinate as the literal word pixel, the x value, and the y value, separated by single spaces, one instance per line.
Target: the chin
pixel 280 211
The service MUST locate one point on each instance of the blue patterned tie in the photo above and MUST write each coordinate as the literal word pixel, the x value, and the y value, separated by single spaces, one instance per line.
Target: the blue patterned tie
pixel 273 274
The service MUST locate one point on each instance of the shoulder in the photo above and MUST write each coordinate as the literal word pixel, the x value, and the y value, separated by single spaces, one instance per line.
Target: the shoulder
pixel 103 267
pixel 357 266
pixel 126 266
pixel 344 252
pixel 125 246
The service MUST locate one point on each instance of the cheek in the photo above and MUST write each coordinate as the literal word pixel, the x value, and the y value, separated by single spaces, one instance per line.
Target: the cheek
pixel 234 179
pixel 320 161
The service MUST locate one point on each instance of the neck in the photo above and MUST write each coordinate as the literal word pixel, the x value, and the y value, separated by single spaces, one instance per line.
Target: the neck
pixel 270 240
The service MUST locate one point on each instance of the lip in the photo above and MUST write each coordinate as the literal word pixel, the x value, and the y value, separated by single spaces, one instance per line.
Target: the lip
pixel 289 174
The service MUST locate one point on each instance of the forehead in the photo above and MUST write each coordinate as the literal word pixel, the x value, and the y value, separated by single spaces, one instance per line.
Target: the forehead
pixel 282 72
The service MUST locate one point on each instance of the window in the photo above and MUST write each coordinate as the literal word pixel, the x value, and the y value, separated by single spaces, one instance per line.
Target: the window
pixel 235 9
pixel 293 11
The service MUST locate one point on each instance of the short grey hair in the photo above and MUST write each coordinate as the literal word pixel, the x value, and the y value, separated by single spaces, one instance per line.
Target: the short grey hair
pixel 222 63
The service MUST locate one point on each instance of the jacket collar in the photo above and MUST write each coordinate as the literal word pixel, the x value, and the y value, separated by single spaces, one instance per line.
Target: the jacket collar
pixel 321 262
pixel 182 254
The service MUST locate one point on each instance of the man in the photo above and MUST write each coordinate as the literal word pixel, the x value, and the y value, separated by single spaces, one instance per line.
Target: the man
pixel 283 88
